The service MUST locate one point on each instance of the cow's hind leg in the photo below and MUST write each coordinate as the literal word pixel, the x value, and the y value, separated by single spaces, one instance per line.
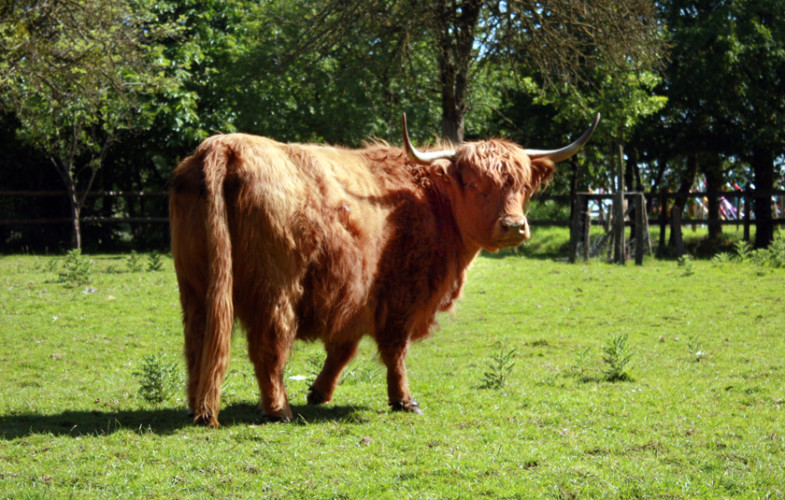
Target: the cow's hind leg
pixel 194 322
pixel 338 356
pixel 269 345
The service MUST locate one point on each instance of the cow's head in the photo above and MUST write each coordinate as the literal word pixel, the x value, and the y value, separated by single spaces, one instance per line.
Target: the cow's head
pixel 490 183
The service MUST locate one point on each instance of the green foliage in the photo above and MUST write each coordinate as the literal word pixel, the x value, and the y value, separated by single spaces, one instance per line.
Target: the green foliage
pixel 687 264
pixel 722 258
pixel 76 270
pixel 772 256
pixel 77 76
pixel 498 369
pixel 159 378
pixel 777 252
pixel 134 262
pixel 617 355
pixel 580 367
pixel 743 250
pixel 154 262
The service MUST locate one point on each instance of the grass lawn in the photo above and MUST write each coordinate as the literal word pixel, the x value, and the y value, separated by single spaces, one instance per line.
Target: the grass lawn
pixel 701 412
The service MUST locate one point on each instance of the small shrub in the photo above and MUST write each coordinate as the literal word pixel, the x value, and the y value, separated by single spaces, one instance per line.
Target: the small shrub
pixel 498 369
pixel 581 366
pixel 76 269
pixel 617 357
pixel 686 263
pixel 721 258
pixel 776 253
pixel 154 262
pixel 743 250
pixel 134 262
pixel 52 265
pixel 159 378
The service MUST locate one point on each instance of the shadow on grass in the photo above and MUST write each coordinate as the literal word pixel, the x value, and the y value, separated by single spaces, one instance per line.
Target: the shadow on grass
pixel 159 421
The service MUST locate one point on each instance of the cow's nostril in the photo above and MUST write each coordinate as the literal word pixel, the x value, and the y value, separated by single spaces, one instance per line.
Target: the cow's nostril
pixel 513 224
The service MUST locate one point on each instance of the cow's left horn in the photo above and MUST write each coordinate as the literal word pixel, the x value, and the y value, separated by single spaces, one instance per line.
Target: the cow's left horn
pixel 557 155
pixel 419 156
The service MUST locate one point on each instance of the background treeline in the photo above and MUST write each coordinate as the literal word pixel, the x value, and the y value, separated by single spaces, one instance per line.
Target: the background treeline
pixel 108 95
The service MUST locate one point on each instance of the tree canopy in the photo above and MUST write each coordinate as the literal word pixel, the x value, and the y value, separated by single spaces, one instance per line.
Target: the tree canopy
pixel 112 93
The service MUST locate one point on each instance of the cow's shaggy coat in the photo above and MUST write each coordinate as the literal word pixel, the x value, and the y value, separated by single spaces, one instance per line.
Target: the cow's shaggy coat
pixel 315 242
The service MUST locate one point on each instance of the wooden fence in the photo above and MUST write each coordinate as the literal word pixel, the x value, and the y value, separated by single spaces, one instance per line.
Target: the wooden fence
pixel 658 207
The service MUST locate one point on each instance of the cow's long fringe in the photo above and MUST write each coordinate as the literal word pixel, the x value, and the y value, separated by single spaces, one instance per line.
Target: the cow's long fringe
pixel 220 306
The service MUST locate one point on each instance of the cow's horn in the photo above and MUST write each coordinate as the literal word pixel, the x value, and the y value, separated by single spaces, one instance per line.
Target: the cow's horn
pixel 419 156
pixel 557 155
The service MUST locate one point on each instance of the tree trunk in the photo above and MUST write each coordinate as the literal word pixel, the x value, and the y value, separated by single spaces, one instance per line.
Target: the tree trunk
pixel 712 169
pixel 676 241
pixel 456 24
pixel 663 201
pixel 763 168
pixel 73 213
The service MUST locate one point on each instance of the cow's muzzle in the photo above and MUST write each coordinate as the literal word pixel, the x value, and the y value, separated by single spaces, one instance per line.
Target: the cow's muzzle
pixel 515 229
pixel 512 224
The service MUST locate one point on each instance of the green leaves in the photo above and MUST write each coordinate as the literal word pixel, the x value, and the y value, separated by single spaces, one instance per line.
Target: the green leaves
pixel 159 378
pixel 76 270
pixel 617 355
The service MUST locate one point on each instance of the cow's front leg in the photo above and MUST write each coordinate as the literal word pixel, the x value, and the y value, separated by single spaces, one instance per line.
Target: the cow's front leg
pixel 394 357
pixel 338 356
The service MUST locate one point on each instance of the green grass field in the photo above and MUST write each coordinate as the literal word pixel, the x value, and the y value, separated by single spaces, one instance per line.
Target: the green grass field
pixel 700 414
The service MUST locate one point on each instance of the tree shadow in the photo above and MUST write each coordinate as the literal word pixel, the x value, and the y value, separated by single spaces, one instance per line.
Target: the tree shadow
pixel 161 421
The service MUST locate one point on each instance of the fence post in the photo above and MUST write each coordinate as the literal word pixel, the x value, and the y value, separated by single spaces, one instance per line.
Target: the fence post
pixel 620 252
pixel 586 230
pixel 640 214
pixel 575 226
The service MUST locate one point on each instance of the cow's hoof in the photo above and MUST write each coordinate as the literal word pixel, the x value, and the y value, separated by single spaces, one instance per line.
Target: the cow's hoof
pixel 283 415
pixel 207 420
pixel 409 406
pixel 315 397
pixel 274 419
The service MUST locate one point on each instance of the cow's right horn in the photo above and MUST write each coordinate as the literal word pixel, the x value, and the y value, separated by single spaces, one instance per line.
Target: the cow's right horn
pixel 557 155
pixel 418 156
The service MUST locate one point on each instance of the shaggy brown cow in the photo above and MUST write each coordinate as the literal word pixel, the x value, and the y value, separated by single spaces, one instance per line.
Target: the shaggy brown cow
pixel 315 242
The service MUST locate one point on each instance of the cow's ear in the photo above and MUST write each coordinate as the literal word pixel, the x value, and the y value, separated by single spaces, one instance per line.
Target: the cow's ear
pixel 542 170
pixel 444 171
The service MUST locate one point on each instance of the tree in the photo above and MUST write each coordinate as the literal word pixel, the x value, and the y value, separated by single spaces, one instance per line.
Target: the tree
pixel 346 78
pixel 727 64
pixel 757 69
pixel 76 75
pixel 564 42
pixel 566 45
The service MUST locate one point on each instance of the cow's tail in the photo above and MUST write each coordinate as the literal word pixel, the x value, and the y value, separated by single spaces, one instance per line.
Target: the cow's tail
pixel 219 301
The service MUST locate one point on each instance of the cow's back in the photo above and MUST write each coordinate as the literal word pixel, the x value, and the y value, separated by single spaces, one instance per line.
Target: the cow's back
pixel 306 225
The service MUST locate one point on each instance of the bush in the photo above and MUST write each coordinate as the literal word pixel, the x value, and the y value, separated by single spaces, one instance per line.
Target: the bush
pixel 154 262
pixel 134 262
pixel 498 369
pixel 159 378
pixel 617 357
pixel 76 269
